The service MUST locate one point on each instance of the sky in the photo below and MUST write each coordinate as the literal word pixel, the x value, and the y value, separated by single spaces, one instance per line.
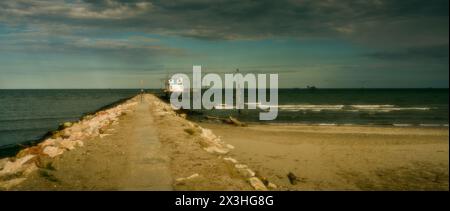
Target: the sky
pixel 325 43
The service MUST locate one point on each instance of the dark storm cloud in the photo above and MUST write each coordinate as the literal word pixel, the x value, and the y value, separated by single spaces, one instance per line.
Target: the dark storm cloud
pixel 396 27
pixel 237 19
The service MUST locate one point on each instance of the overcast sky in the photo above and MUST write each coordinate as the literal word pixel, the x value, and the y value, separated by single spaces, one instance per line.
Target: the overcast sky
pixel 326 43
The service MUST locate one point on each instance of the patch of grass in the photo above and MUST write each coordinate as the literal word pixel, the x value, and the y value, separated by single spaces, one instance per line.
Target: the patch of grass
pixel 50 177
pixel 49 166
pixel 45 164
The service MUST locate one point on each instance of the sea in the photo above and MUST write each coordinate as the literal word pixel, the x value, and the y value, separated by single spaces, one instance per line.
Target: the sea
pixel 383 107
pixel 27 115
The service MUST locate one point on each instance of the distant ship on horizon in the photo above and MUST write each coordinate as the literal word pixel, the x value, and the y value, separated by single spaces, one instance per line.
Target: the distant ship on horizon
pixel 311 87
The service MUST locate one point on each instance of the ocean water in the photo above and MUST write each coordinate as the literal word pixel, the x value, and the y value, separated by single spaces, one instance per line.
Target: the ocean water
pixel 27 115
pixel 394 107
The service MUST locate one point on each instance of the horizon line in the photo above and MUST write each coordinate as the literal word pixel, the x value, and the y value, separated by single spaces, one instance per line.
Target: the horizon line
pixel 207 88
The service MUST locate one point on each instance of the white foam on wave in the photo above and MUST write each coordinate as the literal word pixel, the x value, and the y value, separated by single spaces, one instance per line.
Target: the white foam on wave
pixel 386 108
pixel 430 125
pixel 304 107
pixel 372 106
pixel 349 108
pixel 327 124
pixel 402 125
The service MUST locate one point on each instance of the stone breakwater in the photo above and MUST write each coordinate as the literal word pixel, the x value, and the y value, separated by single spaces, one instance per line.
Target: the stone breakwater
pixel 14 170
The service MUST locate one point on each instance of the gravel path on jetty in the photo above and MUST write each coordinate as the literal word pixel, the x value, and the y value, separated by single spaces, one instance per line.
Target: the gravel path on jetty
pixel 147 147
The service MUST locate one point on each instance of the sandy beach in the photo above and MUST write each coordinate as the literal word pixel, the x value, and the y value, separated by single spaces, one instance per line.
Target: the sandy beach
pixel 343 157
pixel 142 144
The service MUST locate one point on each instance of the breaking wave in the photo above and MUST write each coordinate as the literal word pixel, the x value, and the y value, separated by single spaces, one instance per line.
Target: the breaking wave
pixel 319 108
pixel 347 108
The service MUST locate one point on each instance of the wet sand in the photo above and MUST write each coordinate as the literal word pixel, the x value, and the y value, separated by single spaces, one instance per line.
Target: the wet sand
pixel 343 157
